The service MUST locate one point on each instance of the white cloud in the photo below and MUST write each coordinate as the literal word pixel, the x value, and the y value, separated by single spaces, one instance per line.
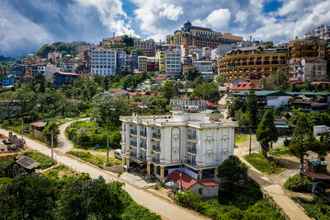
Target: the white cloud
pixel 112 15
pixel 170 11
pixel 218 19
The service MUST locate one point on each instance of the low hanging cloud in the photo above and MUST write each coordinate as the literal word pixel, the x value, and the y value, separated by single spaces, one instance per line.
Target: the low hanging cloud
pixel 218 19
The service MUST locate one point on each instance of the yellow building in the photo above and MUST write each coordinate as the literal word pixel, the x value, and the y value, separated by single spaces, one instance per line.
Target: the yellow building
pixel 252 63
pixel 160 56
pixel 310 47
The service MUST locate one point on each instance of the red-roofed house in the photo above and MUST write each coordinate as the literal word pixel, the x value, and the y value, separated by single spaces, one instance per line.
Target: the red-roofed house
pixel 206 188
pixel 244 86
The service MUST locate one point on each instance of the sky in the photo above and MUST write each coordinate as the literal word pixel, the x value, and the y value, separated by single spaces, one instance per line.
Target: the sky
pixel 27 24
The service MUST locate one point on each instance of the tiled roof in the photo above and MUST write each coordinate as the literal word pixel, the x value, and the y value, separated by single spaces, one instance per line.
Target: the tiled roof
pixel 186 182
pixel 181 179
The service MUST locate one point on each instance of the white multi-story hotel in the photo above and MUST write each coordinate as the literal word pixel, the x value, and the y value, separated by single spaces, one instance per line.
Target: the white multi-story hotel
pixel 172 59
pixel 103 61
pixel 191 142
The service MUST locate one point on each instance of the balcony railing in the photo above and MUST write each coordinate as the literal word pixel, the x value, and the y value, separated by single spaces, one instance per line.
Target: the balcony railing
pixel 190 159
pixel 155 159
pixel 192 150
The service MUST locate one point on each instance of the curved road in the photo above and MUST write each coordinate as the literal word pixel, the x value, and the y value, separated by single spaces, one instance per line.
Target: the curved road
pixel 64 143
pixel 166 209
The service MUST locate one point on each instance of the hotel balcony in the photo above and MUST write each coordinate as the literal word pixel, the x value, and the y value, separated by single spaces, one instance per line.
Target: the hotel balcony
pixel 155 158
pixel 190 159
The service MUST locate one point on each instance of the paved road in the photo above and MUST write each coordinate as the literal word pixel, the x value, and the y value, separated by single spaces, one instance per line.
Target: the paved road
pixel 166 209
pixel 64 143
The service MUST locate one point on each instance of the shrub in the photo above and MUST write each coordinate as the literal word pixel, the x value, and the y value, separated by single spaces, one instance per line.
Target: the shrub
pixel 298 183
pixel 189 200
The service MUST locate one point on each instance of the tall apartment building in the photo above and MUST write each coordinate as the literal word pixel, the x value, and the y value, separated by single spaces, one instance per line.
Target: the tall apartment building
pixel 205 67
pixel 192 142
pixel 322 32
pixel 190 35
pixel 252 63
pixel 172 60
pixel 142 64
pixel 103 61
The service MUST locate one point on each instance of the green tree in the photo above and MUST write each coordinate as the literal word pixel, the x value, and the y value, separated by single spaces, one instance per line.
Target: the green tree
pixel 277 80
pixel 252 108
pixel 108 109
pixel 169 90
pixel 302 139
pixel 50 132
pixel 28 197
pixel 206 91
pixel 192 75
pixel 266 132
pixel 90 199
pixel 232 173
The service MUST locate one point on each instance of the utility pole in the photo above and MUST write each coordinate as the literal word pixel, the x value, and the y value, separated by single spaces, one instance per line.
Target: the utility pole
pixel 52 144
pixel 108 148
pixel 22 128
pixel 250 141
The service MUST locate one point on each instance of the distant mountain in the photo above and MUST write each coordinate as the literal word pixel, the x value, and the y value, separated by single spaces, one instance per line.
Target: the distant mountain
pixel 64 48
pixel 6 59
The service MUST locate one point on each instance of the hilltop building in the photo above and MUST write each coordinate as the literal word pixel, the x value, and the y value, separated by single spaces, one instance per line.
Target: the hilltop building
pixel 103 61
pixel 195 36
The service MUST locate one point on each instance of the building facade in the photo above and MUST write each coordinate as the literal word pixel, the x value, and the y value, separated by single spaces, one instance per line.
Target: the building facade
pixel 308 69
pixel 103 61
pixel 191 142
pixel 311 47
pixel 205 68
pixel 252 63
pixel 195 36
pixel 172 60
pixel 142 64
pixel 322 32
pixel 147 46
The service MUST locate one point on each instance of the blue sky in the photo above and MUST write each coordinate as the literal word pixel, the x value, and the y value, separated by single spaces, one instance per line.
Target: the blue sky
pixel 27 24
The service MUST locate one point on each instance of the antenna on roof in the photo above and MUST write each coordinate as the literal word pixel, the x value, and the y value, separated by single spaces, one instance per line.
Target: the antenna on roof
pixel 114 34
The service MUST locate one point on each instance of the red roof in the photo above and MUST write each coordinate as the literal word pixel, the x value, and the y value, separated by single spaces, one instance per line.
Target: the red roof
pixel 244 86
pixel 186 182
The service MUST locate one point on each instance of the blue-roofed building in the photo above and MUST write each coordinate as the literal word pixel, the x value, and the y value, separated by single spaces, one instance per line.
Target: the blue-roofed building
pixel 8 81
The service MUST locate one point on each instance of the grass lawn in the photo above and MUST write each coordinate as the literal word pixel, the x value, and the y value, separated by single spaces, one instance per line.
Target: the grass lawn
pixel 44 161
pixel 97 160
pixel 59 172
pixel 316 209
pixel 241 138
pixel 262 164
pixel 280 151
